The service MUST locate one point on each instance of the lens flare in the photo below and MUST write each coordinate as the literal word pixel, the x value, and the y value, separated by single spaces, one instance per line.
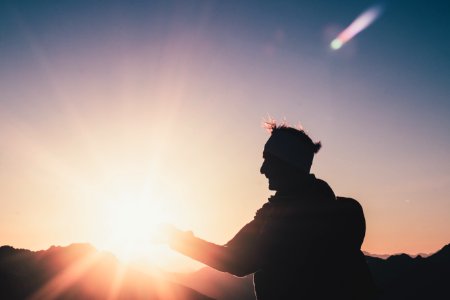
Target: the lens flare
pixel 359 24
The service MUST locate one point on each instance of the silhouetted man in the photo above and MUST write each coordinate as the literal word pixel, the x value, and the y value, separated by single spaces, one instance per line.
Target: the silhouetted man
pixel 303 243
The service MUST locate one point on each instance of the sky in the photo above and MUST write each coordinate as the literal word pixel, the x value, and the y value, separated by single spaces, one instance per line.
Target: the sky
pixel 116 116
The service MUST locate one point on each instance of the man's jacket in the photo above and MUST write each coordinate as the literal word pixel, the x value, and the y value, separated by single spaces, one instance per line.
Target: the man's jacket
pixel 301 245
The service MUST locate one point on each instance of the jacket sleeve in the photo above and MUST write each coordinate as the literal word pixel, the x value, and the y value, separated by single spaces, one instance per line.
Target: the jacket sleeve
pixel 241 256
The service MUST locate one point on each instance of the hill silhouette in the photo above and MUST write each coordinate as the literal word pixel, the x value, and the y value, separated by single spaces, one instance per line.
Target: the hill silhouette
pixel 397 277
pixel 404 277
pixel 79 271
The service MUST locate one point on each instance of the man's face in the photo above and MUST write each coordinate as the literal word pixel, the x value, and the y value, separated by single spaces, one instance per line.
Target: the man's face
pixel 279 173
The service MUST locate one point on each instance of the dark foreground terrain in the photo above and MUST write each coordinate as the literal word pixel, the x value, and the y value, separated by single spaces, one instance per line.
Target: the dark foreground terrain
pixel 81 272
pixel 397 277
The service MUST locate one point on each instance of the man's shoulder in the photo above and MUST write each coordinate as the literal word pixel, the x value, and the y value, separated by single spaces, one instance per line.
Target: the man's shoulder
pixel 350 204
pixel 322 190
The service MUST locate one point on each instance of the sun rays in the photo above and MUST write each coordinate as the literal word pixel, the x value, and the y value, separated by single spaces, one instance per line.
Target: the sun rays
pixel 65 279
pixel 96 156
pixel 81 272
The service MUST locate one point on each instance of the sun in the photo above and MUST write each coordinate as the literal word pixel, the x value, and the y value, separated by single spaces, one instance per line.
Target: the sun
pixel 129 224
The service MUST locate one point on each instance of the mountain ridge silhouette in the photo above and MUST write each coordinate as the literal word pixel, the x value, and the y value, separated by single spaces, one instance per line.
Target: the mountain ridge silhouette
pixel 24 273
pixel 398 276
pixel 79 271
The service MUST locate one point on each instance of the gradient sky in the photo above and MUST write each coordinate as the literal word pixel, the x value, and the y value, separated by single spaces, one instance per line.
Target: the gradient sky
pixel 117 115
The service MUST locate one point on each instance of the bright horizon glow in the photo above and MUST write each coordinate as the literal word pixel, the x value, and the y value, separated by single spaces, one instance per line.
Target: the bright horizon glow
pixel 130 225
pixel 359 24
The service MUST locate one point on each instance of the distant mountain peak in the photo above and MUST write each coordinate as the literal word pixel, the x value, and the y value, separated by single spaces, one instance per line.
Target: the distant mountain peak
pixel 446 248
pixel 400 257
pixel 75 246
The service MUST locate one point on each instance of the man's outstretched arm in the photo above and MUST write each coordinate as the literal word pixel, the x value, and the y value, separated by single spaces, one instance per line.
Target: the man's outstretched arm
pixel 239 261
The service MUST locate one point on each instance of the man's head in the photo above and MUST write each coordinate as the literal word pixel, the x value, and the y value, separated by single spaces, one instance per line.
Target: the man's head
pixel 288 154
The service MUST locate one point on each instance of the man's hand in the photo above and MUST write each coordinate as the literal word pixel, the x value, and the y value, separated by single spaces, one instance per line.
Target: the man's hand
pixel 169 234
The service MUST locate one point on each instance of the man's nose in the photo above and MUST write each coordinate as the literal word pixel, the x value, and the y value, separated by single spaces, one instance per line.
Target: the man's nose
pixel 263 167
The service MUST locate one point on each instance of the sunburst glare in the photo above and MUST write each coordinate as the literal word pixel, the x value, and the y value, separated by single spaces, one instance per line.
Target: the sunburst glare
pixel 359 24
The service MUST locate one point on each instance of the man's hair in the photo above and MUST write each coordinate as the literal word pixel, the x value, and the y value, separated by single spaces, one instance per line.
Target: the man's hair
pixel 300 134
